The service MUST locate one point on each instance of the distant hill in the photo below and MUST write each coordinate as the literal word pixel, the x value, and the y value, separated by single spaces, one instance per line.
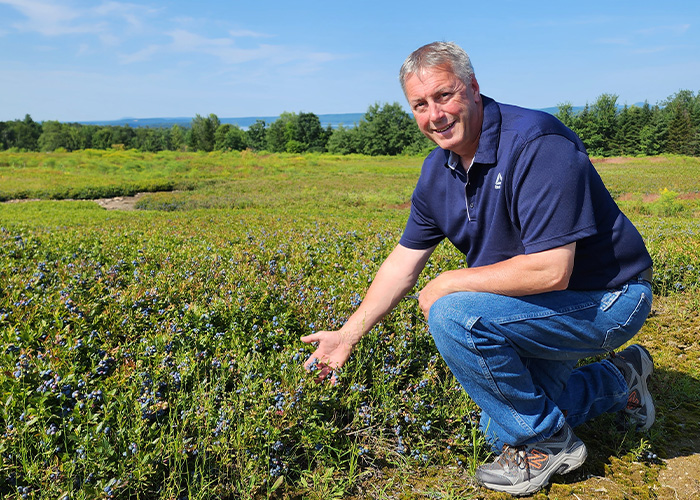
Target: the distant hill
pixel 334 120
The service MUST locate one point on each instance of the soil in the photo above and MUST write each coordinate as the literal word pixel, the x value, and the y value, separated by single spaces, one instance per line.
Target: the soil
pixel 120 202
pixel 681 478
pixel 117 203
pixel 626 159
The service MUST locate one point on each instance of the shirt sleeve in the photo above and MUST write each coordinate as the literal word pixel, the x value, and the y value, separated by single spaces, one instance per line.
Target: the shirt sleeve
pixel 552 194
pixel 421 232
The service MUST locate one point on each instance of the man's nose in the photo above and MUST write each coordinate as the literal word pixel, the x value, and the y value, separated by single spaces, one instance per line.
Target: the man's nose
pixel 436 113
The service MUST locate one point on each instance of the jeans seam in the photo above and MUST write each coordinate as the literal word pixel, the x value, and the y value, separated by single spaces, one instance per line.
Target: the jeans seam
pixel 545 314
pixel 486 372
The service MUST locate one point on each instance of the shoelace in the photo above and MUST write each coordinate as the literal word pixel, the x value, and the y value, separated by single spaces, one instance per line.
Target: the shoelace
pixel 514 455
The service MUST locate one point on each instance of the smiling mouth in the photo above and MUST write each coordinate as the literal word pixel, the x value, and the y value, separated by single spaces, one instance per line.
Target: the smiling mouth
pixel 444 129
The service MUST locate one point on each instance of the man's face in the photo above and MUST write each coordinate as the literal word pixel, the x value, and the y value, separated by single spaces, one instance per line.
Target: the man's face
pixel 447 111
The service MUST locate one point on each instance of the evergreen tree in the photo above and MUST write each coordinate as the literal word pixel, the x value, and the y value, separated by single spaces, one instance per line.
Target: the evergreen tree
pixel 681 135
pixel 177 138
pixel 565 113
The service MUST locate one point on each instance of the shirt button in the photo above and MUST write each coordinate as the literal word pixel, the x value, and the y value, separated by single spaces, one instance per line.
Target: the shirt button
pixel 471 205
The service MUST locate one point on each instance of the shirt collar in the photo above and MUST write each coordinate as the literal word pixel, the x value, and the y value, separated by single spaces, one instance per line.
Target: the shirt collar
pixel 486 151
pixel 454 161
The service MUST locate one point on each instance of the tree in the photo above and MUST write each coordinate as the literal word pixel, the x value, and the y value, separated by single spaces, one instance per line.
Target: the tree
pixel 682 135
pixel 230 138
pixel 204 132
pixel 123 137
pixel 255 135
pixel 310 133
pixel 148 139
pixel 344 141
pixel 54 135
pixel 282 130
pixel 25 134
pixel 598 123
pixel 177 138
pixel 386 130
pixel 102 139
pixel 631 121
pixel 565 113
pixel 80 136
pixel 4 129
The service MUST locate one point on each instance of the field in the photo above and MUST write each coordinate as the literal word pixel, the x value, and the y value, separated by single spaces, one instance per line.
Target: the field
pixel 154 353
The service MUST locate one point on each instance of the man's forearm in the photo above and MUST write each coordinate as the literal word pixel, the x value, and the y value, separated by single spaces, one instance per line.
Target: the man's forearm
pixel 395 278
pixel 521 275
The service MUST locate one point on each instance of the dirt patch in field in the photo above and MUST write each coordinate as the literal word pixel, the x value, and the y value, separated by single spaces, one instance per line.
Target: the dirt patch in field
pixel 120 202
pixel 22 200
pixel 402 206
pixel 647 198
pixel 626 159
pixel 681 478
pixel 116 203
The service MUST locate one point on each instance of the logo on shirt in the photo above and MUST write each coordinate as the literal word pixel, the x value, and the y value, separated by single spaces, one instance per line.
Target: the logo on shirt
pixel 499 181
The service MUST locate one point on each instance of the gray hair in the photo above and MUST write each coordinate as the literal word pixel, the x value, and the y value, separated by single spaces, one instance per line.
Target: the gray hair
pixel 437 54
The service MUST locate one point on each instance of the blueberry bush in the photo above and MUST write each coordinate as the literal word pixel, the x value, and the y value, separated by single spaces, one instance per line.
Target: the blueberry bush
pixel 156 354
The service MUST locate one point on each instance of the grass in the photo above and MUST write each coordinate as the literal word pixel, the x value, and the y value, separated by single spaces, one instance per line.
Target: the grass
pixel 155 353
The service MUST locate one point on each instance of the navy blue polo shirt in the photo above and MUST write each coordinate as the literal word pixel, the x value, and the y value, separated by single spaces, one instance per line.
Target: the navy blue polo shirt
pixel 530 188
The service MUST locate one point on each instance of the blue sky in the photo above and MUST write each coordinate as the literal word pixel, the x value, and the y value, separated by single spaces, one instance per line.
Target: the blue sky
pixel 79 60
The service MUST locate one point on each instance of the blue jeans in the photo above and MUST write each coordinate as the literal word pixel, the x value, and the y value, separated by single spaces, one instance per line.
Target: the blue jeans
pixel 516 356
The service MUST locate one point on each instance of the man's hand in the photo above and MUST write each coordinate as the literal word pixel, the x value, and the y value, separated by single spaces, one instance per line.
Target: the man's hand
pixel 436 288
pixel 332 352
pixel 396 276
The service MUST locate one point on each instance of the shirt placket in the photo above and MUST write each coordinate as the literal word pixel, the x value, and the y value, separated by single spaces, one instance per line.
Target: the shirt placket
pixel 470 200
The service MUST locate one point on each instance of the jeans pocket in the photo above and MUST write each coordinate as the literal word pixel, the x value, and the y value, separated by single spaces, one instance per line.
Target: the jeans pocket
pixel 610 297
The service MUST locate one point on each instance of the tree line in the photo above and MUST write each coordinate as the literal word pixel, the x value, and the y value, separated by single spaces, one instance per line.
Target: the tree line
pixel 671 127
pixel 606 128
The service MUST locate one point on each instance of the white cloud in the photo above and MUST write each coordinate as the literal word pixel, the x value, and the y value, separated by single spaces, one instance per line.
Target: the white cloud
pixel 676 29
pixel 142 55
pixel 248 34
pixel 85 49
pixel 51 18
pixel 133 14
pixel 185 42
pixel 613 41
pixel 656 49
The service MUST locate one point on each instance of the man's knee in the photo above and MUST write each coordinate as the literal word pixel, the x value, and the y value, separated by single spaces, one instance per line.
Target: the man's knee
pixel 448 316
pixel 439 314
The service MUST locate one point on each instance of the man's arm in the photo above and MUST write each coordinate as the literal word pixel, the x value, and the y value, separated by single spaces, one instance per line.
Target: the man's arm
pixel 528 274
pixel 396 276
